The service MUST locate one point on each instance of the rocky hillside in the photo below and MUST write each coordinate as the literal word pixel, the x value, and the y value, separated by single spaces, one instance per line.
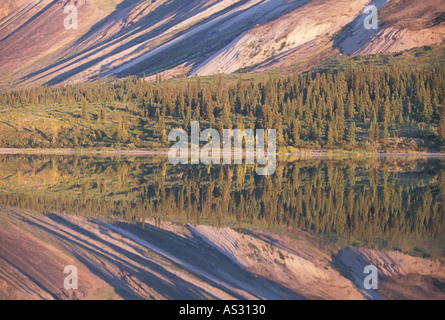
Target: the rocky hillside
pixel 199 37
pixel 404 24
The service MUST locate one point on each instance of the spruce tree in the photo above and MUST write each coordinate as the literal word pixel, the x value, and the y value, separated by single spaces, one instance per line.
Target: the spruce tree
pixel 296 130
pixel 442 124
pixel 280 136
pixel 374 133
pixel 331 134
pixel 351 105
pixel 427 111
pixel 385 131
pixel 351 133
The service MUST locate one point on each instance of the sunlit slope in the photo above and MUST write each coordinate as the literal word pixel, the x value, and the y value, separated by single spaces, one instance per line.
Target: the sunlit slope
pixel 197 37
pixel 34 36
pixel 8 6
pixel 403 24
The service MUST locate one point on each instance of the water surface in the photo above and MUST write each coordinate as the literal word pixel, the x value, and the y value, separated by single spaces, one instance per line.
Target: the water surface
pixel 390 203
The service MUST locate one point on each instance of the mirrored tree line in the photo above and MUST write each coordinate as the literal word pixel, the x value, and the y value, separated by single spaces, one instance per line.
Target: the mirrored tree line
pixel 356 199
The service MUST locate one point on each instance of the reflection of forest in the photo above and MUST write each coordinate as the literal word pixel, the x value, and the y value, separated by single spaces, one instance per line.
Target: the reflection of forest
pixel 361 199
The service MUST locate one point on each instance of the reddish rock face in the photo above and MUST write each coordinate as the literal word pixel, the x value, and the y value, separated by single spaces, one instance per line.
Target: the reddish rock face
pixel 122 37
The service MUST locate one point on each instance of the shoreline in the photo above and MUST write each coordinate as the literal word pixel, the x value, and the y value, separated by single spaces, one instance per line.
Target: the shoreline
pixel 144 152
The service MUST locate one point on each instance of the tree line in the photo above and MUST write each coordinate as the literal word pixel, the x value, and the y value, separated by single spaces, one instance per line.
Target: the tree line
pixel 330 109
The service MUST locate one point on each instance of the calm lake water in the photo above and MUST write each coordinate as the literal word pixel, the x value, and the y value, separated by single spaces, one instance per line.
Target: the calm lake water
pixel 392 203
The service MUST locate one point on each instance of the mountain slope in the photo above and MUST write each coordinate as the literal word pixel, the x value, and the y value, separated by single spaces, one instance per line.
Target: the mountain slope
pixel 404 24
pixel 197 37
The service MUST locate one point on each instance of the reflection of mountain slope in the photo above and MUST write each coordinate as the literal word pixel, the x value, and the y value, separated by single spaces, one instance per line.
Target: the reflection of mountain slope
pixel 119 260
pixel 125 37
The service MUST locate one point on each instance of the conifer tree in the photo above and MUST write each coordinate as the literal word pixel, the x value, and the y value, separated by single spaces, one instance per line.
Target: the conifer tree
pixel 374 134
pixel 351 105
pixel 122 129
pixel 296 131
pixel 279 128
pixel 385 130
pixel 442 124
pixel 427 111
pixel 226 121
pixel 351 133
pixel 331 134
